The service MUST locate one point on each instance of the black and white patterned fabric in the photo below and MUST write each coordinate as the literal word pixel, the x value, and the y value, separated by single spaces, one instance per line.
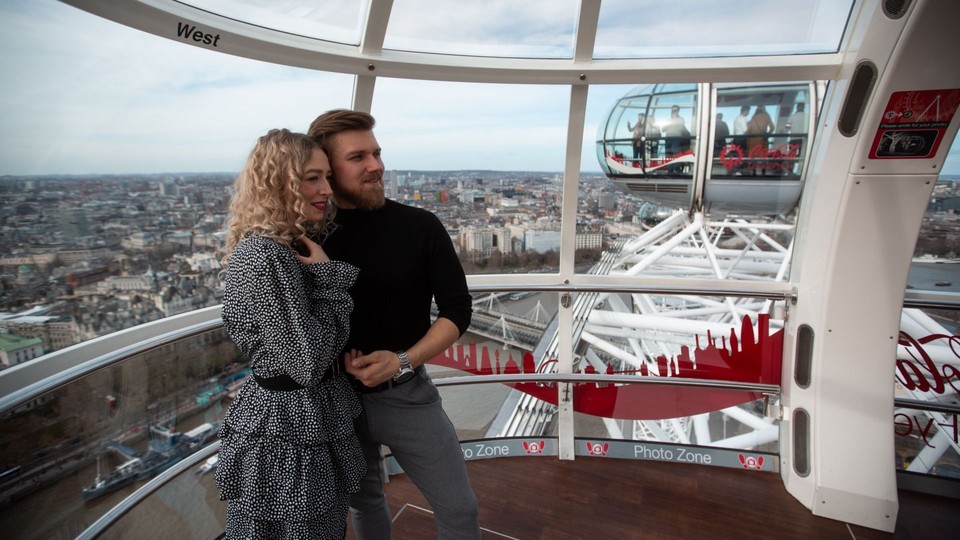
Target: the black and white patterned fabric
pixel 288 459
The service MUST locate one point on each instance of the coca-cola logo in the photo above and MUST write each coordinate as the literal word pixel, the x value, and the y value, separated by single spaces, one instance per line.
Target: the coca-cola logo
pixel 925 427
pixel 920 373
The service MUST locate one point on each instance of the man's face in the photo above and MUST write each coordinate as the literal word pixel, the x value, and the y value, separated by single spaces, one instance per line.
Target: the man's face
pixel 357 170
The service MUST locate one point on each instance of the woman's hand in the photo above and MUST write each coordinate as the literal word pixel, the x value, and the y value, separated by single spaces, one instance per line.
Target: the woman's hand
pixel 309 252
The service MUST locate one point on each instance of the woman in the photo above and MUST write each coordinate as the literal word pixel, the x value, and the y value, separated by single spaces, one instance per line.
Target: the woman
pixel 289 457
pixel 759 126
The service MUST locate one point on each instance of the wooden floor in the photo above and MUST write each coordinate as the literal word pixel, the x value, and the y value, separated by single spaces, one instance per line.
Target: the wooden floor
pixel 601 498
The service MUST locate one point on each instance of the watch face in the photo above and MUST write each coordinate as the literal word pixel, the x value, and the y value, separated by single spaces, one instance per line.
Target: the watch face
pixel 404 376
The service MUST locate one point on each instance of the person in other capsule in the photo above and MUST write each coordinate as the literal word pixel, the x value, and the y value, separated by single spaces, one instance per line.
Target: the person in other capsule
pixel 638 131
pixel 289 457
pixel 757 141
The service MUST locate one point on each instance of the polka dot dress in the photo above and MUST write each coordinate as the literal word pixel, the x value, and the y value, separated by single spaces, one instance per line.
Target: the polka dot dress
pixel 288 459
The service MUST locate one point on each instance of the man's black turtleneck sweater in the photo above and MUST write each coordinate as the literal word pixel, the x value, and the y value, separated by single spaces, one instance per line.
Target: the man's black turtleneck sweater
pixel 405 258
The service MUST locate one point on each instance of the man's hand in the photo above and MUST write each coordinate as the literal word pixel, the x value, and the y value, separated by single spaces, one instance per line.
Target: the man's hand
pixel 374 368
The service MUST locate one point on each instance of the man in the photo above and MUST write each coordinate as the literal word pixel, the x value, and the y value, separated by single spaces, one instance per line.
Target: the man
pixel 673 129
pixel 797 125
pixel 638 131
pixel 740 137
pixel 720 135
pixel 406 259
pixel 740 128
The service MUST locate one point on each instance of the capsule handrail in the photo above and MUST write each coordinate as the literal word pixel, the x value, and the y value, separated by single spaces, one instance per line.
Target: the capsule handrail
pixel 48 384
pixel 583 378
pixel 672 289
pixel 919 405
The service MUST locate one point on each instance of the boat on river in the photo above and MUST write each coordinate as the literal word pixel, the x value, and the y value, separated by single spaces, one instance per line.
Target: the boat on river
pixel 167 447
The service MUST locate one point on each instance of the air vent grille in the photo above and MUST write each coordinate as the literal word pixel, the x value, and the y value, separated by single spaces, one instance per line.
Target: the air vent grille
pixel 646 187
pixel 861 86
pixel 894 9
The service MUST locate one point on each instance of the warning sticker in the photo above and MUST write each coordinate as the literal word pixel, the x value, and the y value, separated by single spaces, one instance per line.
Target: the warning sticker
pixel 914 123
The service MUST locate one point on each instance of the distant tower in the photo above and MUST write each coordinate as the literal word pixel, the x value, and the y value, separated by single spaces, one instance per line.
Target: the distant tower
pixel 73 223
pixel 169 188
pixel 392 177
pixel 608 201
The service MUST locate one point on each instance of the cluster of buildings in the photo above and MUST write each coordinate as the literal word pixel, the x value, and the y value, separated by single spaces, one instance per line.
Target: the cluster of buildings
pixel 940 230
pixel 86 256
pixel 82 257
pixel 513 212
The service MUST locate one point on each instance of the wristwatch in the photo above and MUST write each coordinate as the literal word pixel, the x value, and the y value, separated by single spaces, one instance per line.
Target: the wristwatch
pixel 406 370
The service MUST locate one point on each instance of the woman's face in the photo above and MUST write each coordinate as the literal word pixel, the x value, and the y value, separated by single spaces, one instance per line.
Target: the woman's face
pixel 315 185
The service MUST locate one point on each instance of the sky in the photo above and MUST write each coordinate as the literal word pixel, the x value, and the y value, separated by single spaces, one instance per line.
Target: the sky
pixel 83 95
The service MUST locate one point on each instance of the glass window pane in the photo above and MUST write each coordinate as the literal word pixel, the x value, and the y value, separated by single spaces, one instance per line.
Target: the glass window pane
pixel 115 185
pixel 533 29
pixel 927 360
pixel 646 29
pixel 74 453
pixel 761 130
pixel 336 20
pixel 938 243
pixel 927 365
pixel 510 333
pixel 646 336
pixel 495 152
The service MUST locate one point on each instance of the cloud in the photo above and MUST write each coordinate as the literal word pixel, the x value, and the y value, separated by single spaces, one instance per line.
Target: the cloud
pixel 435 125
pixel 541 28
pixel 89 95
pixel 334 20
pixel 630 28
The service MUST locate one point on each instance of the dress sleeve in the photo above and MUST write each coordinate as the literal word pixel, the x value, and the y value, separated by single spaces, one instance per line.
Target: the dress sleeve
pixel 328 296
pixel 447 280
pixel 286 317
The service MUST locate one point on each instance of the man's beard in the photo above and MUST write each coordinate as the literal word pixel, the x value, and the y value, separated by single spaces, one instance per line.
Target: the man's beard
pixel 362 199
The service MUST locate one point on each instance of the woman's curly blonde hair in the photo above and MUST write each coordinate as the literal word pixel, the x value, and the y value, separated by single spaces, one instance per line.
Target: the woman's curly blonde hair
pixel 267 199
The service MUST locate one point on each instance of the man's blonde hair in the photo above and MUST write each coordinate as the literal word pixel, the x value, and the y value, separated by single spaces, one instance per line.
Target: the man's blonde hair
pixel 338 120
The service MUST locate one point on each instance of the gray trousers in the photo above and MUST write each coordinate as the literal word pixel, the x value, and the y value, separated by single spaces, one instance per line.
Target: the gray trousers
pixel 410 420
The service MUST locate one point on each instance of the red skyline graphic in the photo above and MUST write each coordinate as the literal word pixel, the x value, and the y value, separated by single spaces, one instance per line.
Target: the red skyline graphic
pixel 740 358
